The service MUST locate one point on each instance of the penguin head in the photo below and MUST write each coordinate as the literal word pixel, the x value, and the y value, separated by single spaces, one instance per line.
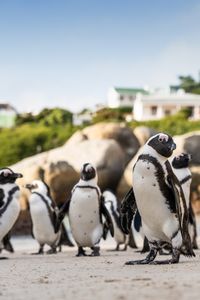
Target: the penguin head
pixel 181 161
pixel 88 172
pixel 8 176
pixel 38 186
pixel 163 144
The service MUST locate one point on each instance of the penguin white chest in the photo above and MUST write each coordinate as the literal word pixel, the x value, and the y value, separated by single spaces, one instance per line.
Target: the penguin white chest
pixel 42 226
pixel 84 217
pixel 155 213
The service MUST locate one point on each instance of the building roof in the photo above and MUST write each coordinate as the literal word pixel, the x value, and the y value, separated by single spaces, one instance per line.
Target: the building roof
pixel 130 91
pixel 173 98
pixel 7 106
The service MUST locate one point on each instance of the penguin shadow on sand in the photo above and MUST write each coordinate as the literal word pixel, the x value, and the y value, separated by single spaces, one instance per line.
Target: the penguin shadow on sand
pixel 159 195
pixel 9 206
pixel 112 206
pixel 88 215
pixel 44 214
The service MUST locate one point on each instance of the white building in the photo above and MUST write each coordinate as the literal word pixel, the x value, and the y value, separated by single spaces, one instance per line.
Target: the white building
pixel 83 118
pixel 159 105
pixel 7 115
pixel 123 97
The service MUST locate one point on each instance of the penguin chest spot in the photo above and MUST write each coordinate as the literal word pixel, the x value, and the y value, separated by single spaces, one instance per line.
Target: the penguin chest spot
pixel 84 217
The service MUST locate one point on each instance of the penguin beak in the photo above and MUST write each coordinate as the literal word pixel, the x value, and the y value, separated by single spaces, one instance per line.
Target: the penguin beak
pixel 173 146
pixel 17 175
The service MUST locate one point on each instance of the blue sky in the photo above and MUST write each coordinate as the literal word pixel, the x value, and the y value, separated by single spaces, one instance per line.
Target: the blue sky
pixel 68 53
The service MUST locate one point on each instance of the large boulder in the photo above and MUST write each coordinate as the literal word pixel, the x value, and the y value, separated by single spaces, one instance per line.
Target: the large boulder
pixel 143 133
pixel 60 167
pixel 126 180
pixel 121 134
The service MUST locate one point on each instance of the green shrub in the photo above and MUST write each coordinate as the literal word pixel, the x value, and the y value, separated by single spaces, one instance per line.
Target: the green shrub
pixel 29 139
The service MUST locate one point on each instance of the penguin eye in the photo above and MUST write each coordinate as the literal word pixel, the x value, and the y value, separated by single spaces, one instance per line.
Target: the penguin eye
pixel 6 174
pixel 162 138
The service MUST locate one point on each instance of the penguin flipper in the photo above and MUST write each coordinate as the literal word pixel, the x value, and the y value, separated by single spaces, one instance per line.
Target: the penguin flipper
pixel 108 224
pixel 127 211
pixel 181 211
pixel 61 214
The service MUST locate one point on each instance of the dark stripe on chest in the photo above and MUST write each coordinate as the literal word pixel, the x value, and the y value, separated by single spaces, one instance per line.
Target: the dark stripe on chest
pixel 160 177
pixel 89 187
pixel 9 200
pixel 184 180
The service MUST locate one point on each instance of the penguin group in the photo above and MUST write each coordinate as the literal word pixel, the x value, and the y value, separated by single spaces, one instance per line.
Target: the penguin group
pixel 156 210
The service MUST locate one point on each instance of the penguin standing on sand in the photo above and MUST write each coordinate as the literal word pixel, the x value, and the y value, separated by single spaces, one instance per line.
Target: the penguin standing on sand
pixel 44 217
pixel 85 209
pixel 157 194
pixel 9 200
pixel 180 165
pixel 110 201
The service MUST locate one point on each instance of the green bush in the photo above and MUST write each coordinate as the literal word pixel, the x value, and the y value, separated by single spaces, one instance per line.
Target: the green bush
pixel 29 139
pixel 111 114
pixel 174 125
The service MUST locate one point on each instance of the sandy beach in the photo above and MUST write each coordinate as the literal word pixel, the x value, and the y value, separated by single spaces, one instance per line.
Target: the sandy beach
pixel 64 276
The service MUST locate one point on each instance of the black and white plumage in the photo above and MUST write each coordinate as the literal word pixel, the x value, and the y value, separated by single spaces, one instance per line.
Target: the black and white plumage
pixel 85 209
pixel 180 165
pixel 43 216
pixel 160 201
pixel 9 200
pixel 111 204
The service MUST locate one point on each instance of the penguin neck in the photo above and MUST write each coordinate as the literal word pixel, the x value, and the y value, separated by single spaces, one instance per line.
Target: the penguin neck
pixel 42 194
pixel 7 186
pixel 151 151
pixel 92 182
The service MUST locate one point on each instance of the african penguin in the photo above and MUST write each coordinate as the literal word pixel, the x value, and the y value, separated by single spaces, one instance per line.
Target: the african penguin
pixel 85 208
pixel 110 201
pixel 9 200
pixel 180 165
pixel 157 195
pixel 43 216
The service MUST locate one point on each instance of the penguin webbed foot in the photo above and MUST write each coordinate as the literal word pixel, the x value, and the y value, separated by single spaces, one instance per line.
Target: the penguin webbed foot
pixel 95 251
pixel 52 250
pixel 81 252
pixel 150 258
pixel 40 251
pixel 137 262
pixel 173 260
